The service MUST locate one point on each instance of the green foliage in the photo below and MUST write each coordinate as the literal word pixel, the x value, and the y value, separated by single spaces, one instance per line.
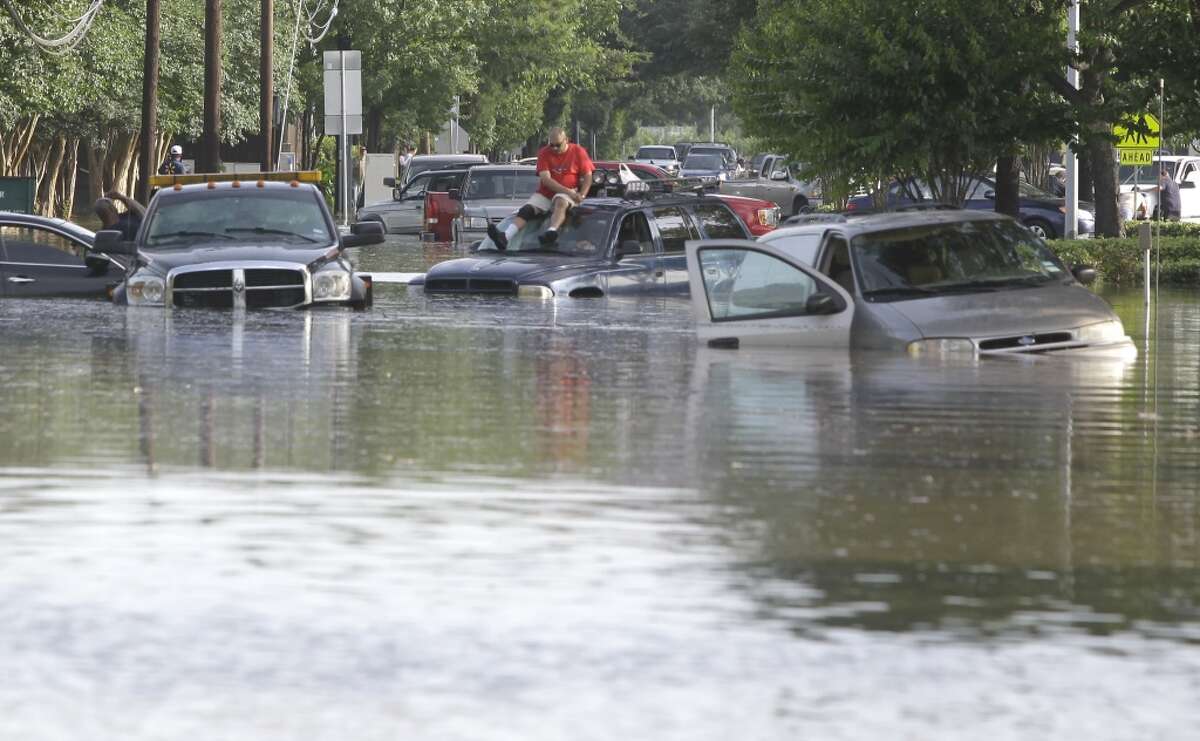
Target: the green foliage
pixel 864 90
pixel 1120 261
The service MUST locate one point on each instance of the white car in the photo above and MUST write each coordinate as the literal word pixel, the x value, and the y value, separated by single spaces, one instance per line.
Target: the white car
pixel 659 155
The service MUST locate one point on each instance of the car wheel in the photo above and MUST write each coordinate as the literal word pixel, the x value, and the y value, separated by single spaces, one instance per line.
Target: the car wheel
pixel 1041 228
pixel 800 206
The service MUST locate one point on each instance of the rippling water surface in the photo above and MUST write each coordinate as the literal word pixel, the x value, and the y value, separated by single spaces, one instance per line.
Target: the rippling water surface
pixel 495 519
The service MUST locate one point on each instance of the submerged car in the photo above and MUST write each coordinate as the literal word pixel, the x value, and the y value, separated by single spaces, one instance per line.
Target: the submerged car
pixel 608 246
pixel 931 283
pixel 239 241
pixel 51 257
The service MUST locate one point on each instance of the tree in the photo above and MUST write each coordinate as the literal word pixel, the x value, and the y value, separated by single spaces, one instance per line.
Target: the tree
pixel 867 90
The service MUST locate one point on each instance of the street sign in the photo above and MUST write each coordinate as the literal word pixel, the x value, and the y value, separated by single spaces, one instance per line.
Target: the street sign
pixel 343 92
pixel 1143 135
pixel 1137 157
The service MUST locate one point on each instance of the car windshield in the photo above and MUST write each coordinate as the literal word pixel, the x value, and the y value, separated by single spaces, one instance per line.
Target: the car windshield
pixel 967 256
pixel 501 184
pixel 703 162
pixel 657 153
pixel 1131 175
pixel 285 217
pixel 585 234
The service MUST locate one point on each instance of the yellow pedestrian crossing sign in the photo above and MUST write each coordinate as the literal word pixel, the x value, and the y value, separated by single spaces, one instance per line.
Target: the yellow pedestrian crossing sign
pixel 1140 133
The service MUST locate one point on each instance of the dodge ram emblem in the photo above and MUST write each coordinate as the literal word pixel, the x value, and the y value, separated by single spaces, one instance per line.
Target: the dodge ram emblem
pixel 1026 341
pixel 239 285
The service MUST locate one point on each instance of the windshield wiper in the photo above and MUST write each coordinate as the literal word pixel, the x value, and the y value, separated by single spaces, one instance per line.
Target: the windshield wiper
pixel 899 291
pixel 263 230
pixel 1023 281
pixel 171 235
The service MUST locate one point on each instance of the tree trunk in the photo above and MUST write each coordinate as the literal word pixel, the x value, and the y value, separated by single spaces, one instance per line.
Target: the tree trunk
pixel 95 162
pixel 1108 219
pixel 54 165
pixel 72 173
pixel 374 128
pixel 1087 186
pixel 1008 199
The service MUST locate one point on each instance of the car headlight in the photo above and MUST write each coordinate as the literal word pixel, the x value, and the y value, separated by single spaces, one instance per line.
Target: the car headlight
pixel 331 285
pixel 542 292
pixel 941 348
pixel 598 177
pixel 145 290
pixel 723 176
pixel 476 222
pixel 1101 333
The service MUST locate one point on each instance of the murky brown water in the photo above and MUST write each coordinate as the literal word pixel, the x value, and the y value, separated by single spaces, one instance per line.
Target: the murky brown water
pixel 489 519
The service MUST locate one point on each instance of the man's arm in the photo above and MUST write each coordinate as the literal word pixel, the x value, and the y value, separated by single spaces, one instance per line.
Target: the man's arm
pixel 130 205
pixel 554 185
pixel 585 183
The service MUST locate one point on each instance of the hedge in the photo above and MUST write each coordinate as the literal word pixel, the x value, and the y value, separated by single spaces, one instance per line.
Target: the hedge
pixel 1119 261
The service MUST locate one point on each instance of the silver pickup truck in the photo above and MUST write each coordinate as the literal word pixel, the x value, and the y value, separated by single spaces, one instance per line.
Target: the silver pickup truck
pixel 774 181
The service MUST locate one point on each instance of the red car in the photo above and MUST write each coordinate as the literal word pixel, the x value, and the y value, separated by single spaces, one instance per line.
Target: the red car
pixel 759 216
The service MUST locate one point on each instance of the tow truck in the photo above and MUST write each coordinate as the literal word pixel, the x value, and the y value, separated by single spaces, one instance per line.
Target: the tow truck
pixel 240 241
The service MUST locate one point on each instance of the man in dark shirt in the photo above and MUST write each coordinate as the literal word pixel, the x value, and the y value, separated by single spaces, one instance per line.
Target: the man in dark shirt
pixel 1168 197
pixel 127 223
pixel 174 164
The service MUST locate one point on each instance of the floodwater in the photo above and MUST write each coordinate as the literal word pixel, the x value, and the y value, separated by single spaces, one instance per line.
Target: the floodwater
pixel 492 519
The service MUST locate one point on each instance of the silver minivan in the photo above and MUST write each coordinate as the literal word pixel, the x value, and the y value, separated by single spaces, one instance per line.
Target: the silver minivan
pixel 930 283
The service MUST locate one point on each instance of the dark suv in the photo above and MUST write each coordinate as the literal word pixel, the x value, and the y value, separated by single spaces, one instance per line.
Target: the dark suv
pixel 609 246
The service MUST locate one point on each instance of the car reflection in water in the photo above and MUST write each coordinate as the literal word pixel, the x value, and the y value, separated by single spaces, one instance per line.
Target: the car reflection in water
pixel 891 515
pixel 284 400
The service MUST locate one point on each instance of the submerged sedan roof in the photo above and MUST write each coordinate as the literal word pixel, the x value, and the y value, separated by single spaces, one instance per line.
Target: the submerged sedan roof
pixel 867 223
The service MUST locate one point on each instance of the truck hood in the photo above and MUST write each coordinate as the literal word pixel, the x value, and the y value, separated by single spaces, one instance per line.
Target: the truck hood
pixel 164 261
pixel 502 266
pixel 1004 313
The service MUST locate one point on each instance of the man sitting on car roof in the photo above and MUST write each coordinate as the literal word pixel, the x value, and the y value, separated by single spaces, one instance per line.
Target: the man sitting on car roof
pixel 565 172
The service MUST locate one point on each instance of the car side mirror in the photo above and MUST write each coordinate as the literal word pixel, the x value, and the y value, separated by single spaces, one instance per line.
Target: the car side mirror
pixel 112 242
pixel 1188 184
pixel 629 247
pixel 397 194
pixel 455 194
pixel 820 303
pixel 363 234
pixel 989 194
pixel 779 175
pixel 389 182
pixel 1084 274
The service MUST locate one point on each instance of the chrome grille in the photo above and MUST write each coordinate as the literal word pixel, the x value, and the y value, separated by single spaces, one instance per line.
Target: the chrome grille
pixel 260 287
pixel 1025 343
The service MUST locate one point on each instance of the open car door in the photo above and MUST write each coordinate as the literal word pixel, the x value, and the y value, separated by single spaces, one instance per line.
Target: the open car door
pixel 748 294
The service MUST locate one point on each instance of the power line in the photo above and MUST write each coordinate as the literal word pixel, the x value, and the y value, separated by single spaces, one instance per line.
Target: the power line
pixel 66 42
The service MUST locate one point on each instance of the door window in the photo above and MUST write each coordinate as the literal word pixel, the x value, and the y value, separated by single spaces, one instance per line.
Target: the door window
pixel 779 168
pixel 675 228
pixel 837 263
pixel 718 222
pixel 34 245
pixel 416 189
pixel 747 284
pixel 635 228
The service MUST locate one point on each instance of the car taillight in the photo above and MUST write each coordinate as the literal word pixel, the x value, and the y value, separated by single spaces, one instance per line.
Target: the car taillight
pixel 768 216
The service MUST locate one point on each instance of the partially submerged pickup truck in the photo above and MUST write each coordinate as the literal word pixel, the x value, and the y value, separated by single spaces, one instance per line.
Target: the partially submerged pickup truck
pixel 774 181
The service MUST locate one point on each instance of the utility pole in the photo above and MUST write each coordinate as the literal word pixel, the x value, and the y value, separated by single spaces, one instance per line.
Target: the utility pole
pixel 1072 226
pixel 148 155
pixel 267 84
pixel 210 140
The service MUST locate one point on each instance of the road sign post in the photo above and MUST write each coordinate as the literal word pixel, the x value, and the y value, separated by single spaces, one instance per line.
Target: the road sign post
pixel 343 110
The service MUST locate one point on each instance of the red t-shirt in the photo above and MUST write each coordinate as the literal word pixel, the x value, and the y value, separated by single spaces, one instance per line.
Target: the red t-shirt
pixel 565 168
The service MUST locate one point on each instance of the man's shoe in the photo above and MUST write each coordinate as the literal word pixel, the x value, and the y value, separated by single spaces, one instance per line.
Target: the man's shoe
pixel 497 237
pixel 548 238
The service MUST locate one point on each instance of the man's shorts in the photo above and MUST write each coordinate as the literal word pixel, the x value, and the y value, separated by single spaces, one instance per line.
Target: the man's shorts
pixel 543 204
